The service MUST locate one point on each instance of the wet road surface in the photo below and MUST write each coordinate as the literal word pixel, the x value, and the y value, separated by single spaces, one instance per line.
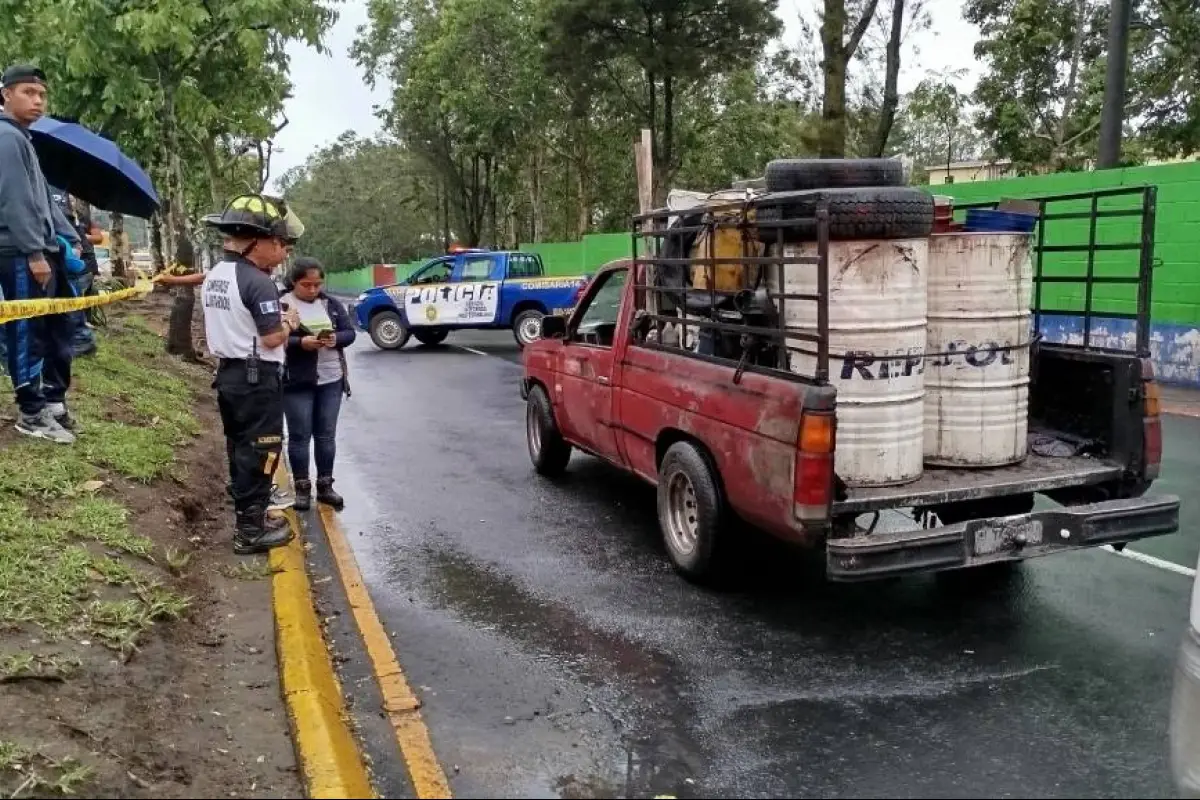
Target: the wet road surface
pixel 557 654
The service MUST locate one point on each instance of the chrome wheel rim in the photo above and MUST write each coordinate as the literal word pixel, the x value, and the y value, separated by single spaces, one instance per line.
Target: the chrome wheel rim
pixel 530 329
pixel 389 332
pixel 683 514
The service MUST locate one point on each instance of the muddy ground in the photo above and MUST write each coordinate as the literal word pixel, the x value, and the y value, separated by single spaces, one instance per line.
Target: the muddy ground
pixel 159 678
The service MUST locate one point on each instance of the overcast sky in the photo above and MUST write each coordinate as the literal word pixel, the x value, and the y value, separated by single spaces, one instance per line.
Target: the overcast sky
pixel 331 95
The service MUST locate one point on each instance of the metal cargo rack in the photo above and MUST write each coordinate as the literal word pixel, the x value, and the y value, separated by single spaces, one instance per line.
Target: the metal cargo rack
pixel 1144 247
pixel 650 230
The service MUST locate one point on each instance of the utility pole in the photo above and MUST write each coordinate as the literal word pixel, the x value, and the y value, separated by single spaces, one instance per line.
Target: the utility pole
pixel 1113 115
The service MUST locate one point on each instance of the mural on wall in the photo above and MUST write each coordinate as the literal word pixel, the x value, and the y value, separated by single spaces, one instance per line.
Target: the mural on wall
pixel 1174 349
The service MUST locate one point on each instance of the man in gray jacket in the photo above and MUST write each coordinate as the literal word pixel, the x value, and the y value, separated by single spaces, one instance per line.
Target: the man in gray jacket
pixel 32 264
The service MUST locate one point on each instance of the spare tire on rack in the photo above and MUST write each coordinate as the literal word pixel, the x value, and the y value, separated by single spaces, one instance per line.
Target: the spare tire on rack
pixel 889 212
pixel 803 174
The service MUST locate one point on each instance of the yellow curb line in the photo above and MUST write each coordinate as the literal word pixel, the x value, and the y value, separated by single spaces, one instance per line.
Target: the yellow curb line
pixel 402 706
pixel 330 761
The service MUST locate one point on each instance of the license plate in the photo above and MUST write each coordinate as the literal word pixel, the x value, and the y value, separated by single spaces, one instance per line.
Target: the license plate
pixel 991 538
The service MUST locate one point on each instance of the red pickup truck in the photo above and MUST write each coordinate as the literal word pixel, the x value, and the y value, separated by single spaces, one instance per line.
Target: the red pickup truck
pixel 721 437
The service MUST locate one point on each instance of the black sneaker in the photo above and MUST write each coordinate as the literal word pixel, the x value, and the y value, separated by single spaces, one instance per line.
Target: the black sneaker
pixel 43 425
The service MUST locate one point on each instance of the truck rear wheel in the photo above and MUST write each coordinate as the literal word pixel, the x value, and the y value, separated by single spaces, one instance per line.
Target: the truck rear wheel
pixel 691 511
pixel 388 331
pixel 548 451
pixel 527 327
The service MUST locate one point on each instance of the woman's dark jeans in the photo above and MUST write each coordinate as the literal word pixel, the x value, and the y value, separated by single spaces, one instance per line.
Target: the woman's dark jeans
pixel 312 414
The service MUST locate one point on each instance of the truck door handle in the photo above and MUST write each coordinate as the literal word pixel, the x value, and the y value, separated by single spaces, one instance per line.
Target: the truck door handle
pixel 602 379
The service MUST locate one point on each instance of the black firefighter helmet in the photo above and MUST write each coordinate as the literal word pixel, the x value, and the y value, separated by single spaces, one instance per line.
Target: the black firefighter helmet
pixel 257 216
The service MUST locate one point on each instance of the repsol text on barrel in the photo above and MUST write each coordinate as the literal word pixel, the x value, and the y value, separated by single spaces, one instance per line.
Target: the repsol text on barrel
pixel 884 366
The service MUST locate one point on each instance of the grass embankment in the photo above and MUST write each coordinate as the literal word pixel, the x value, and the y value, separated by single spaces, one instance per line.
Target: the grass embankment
pixel 73 575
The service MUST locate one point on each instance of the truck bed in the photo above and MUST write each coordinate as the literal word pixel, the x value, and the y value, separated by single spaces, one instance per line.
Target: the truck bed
pixel 946 485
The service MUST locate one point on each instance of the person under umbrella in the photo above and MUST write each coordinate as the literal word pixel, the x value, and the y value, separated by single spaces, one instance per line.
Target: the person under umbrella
pixel 32 264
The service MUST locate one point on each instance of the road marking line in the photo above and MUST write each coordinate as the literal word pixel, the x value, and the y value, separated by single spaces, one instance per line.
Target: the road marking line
pixel 1161 563
pixel 402 706
pixel 472 350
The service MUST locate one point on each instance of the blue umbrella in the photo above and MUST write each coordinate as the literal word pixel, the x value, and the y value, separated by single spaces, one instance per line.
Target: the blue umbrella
pixel 92 168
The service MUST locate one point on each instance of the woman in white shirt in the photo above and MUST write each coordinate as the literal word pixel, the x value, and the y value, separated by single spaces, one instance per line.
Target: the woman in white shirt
pixel 315 380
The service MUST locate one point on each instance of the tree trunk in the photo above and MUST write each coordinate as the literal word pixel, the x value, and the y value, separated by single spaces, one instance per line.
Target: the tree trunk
pixel 445 216
pixel 837 52
pixel 891 94
pixel 664 173
pixel 156 244
pixel 120 247
pixel 1057 160
pixel 833 99
pixel 179 328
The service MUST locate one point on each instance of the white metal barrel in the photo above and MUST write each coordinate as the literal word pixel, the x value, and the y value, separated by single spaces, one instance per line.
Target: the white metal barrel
pixel 977 371
pixel 877 329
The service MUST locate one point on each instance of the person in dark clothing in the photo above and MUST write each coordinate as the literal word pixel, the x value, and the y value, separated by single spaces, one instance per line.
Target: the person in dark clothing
pixel 315 380
pixel 247 329
pixel 32 264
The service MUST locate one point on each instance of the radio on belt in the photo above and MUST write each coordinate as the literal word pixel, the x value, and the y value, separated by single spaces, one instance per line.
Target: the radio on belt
pixel 252 364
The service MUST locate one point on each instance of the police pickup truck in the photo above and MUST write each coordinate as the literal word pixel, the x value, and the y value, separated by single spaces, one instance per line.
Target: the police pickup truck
pixel 468 289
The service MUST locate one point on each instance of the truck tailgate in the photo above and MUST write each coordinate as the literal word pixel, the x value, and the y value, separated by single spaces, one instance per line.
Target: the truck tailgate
pixel 945 485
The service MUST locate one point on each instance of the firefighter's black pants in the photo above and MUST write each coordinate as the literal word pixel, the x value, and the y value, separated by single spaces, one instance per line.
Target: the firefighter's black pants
pixel 252 416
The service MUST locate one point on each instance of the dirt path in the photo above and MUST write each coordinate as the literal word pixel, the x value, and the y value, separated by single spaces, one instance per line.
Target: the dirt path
pixel 136 652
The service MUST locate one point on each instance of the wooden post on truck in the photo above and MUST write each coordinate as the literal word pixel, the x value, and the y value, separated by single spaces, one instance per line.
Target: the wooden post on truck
pixel 643 160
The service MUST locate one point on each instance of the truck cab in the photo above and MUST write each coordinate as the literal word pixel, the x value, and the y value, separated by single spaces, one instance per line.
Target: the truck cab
pixel 466 289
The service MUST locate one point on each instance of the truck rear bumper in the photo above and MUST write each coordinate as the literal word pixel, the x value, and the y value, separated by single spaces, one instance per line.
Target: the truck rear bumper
pixel 983 541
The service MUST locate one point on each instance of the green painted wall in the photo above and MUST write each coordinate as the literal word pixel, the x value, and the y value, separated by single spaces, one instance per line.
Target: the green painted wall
pixel 1176 291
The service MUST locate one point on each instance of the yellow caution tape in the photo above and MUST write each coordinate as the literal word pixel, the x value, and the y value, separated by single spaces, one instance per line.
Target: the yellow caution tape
pixel 12 310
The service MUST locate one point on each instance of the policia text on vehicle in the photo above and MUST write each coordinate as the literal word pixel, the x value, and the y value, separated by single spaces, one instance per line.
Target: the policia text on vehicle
pixel 247 330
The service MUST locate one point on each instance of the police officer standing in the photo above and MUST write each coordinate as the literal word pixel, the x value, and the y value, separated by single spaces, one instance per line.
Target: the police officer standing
pixel 247 330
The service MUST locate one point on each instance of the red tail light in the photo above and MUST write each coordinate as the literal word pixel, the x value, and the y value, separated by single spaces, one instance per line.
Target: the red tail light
pixel 1151 422
pixel 813 492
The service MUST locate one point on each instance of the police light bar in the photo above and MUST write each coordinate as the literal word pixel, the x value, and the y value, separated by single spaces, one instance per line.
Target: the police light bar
pixel 455 249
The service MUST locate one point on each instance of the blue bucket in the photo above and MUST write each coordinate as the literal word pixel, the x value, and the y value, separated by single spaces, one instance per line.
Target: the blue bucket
pixel 984 220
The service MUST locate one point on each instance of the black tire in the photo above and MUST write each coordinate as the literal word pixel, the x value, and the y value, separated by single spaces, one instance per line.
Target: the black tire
pixel 388 330
pixel 522 327
pixel 548 451
pixel 881 213
pixel 691 512
pixel 803 174
pixel 430 336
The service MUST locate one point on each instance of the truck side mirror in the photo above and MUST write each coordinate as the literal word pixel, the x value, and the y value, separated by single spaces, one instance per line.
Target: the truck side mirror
pixel 554 327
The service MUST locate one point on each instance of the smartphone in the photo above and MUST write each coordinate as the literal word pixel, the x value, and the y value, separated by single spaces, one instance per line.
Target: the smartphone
pixel 325 335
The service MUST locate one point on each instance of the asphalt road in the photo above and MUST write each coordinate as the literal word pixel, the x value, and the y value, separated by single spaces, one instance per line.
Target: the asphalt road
pixel 558 654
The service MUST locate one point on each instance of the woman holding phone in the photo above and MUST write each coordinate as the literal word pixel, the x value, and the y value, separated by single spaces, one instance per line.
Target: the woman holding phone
pixel 314 380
